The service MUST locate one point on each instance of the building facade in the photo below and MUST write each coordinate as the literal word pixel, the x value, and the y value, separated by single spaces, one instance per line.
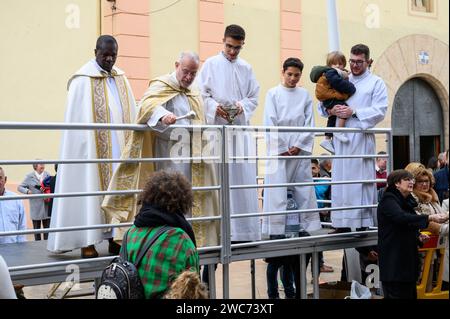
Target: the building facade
pixel 44 42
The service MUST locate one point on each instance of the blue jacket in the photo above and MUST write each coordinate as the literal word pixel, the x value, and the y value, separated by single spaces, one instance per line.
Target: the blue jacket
pixel 441 185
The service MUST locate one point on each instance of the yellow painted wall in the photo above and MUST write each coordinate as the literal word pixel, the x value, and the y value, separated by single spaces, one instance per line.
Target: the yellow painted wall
pixel 356 26
pixel 39 52
pixel 355 22
pixel 172 30
pixel 261 21
pixel 41 45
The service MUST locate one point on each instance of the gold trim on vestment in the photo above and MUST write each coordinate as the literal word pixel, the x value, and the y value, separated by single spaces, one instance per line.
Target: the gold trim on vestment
pixel 100 111
pixel 125 101
pixel 121 209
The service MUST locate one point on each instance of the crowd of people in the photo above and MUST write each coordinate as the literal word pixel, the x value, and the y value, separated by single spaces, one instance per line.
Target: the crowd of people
pixel 228 95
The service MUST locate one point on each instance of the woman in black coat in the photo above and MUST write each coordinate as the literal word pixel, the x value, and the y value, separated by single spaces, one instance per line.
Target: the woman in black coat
pixel 399 237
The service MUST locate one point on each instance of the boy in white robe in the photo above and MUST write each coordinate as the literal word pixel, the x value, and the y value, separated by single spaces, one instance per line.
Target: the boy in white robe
pixel 289 105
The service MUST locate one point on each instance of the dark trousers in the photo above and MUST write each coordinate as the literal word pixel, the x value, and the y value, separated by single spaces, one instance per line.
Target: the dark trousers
pixel 331 122
pixel 399 290
pixel 287 278
pixel 37 225
pixel 294 261
pixel 205 272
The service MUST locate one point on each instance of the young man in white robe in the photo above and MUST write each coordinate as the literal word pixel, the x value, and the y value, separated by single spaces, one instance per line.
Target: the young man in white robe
pixel 98 93
pixel 289 105
pixel 366 108
pixel 227 81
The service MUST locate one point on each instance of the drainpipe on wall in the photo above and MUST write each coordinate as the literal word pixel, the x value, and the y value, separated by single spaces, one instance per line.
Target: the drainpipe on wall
pixel 333 27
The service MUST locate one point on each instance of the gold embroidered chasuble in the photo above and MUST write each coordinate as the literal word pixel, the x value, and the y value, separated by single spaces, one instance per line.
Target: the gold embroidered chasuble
pixel 122 208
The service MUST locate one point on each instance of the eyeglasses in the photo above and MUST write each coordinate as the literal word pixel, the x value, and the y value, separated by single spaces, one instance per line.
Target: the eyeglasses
pixel 236 48
pixel 424 182
pixel 357 62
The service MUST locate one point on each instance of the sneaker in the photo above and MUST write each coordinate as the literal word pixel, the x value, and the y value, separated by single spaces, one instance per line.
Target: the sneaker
pixel 341 137
pixel 327 145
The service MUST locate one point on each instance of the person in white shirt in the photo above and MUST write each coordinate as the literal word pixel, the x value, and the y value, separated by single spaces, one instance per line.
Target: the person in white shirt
pixel 12 214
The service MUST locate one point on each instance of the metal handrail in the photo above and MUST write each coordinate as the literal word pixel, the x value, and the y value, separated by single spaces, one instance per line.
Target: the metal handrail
pixel 300 211
pixel 99 193
pixel 300 239
pixel 87 261
pixel 92 126
pixel 306 129
pixel 108 160
pixel 145 127
pixel 369 181
pixel 290 157
pixel 225 249
pixel 98 226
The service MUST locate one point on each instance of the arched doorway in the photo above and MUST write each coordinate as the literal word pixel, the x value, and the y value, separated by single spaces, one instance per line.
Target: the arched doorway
pixel 417 123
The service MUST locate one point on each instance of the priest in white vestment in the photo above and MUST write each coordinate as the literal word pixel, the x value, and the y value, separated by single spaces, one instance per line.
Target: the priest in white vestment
pixel 366 108
pixel 163 115
pixel 97 93
pixel 167 100
pixel 225 81
pixel 289 105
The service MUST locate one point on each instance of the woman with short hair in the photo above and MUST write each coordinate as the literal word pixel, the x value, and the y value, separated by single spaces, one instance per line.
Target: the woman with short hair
pixel 32 185
pixel 399 237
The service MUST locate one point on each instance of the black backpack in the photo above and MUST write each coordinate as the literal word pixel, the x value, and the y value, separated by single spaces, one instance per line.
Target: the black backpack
pixel 120 280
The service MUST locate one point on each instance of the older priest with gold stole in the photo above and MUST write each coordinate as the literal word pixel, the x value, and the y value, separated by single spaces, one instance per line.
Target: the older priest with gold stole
pixel 98 93
pixel 165 102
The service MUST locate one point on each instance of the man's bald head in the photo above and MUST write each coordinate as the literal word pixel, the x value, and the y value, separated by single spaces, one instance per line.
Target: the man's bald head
pixel 326 163
pixel 186 68
pixel 2 181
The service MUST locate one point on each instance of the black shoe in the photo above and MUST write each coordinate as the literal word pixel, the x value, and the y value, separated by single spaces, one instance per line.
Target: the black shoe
pixel 114 248
pixel 340 230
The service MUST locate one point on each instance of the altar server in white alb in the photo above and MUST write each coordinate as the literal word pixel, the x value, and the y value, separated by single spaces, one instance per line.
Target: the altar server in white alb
pixel 98 93
pixel 227 81
pixel 289 105
pixel 366 108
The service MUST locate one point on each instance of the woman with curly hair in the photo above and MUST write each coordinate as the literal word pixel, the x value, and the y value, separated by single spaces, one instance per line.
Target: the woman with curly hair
pixel 166 198
pixel 187 286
